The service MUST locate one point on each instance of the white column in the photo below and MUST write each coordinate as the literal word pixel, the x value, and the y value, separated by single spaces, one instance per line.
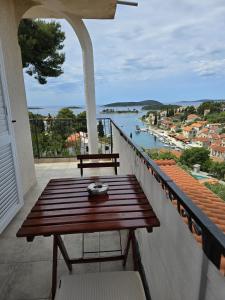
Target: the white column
pixel 89 80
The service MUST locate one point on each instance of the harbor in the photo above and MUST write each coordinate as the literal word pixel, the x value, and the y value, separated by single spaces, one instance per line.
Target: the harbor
pixel 162 136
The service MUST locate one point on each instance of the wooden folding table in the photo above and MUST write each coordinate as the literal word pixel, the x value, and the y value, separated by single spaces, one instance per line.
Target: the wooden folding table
pixel 65 207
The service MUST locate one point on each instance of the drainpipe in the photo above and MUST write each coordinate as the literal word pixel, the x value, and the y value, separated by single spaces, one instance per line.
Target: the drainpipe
pixel 89 79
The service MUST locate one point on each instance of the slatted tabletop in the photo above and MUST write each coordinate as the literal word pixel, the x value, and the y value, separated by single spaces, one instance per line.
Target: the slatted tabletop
pixel 65 207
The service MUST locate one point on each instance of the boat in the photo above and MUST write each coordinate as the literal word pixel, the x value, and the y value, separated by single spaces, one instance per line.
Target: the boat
pixel 144 129
pixel 138 130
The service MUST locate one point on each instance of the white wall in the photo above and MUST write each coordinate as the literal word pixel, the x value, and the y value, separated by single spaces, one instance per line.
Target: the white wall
pixel 175 265
pixel 13 70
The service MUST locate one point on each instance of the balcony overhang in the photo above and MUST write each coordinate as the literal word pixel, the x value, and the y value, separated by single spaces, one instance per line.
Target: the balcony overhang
pixel 83 9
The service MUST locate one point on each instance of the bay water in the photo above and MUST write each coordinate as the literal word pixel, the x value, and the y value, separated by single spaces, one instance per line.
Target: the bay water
pixel 126 121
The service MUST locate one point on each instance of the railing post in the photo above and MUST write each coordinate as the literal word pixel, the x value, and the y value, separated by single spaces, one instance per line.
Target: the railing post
pixel 111 136
pixel 211 248
pixel 36 137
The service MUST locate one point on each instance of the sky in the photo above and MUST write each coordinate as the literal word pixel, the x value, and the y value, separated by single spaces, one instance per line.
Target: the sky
pixel 164 50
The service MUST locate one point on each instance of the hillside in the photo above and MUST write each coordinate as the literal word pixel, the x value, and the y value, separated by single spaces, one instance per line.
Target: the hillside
pixel 199 101
pixel 152 103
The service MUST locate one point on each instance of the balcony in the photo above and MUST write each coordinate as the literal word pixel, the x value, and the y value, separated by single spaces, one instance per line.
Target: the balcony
pixel 174 264
pixel 25 268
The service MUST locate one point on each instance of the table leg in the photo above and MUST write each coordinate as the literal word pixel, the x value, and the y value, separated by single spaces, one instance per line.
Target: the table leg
pixel 64 252
pixel 127 248
pixel 54 266
pixel 134 250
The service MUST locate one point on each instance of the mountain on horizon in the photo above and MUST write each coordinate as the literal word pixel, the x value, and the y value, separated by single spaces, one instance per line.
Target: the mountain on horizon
pixel 135 103
pixel 200 101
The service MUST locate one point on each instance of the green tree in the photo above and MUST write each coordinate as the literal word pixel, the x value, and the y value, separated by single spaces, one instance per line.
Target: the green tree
pixel 213 106
pixel 41 44
pixel 217 188
pixel 193 156
pixel 81 124
pixel 217 169
pixel 216 117
pixel 64 123
pixel 66 113
pixel 190 110
pixel 155 154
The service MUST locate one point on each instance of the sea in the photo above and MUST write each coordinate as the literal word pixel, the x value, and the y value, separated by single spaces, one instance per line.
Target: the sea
pixel 126 121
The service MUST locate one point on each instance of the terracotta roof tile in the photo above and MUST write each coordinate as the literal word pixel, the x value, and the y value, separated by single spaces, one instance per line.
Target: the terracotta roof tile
pixel 210 203
pixel 192 116
pixel 218 148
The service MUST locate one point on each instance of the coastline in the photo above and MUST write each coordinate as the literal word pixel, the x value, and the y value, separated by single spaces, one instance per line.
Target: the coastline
pixel 163 136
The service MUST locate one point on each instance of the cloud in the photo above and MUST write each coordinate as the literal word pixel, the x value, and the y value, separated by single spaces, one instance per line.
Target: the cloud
pixel 146 45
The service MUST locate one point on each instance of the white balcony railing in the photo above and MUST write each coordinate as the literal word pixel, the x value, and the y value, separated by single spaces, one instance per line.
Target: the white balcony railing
pixel 174 264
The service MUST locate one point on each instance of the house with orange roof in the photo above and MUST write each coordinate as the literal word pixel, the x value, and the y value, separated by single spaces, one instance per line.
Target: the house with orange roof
pixel 214 137
pixel 203 132
pixel 202 142
pixel 198 126
pixel 189 132
pixel 165 123
pixel 217 151
pixel 181 138
pixel 192 118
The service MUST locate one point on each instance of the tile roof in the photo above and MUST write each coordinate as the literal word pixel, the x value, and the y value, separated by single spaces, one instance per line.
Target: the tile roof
pixel 206 200
pixel 218 148
pixel 181 137
pixel 197 124
pixel 201 139
pixel 187 128
pixel 192 116
pixel 204 130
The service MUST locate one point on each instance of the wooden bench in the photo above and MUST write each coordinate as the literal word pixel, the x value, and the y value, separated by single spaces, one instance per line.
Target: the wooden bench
pixel 100 164
pixel 121 285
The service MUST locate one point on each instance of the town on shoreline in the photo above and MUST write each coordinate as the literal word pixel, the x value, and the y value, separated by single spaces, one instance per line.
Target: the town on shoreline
pixel 189 126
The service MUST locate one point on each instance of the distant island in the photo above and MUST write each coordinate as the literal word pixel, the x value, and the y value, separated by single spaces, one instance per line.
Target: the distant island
pixel 73 107
pixel 146 105
pixel 113 111
pixel 70 107
pixel 153 103
pixel 200 101
pixel 34 107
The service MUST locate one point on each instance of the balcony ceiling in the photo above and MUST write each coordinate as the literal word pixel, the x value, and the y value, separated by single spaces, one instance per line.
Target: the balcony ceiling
pixel 85 9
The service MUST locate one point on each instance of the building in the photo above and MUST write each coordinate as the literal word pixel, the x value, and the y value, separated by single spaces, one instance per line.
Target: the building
pixel 203 132
pixel 201 142
pixel 192 117
pixel 217 151
pixel 189 132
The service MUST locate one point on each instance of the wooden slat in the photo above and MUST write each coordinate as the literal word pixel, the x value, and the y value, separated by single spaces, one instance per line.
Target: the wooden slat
pixel 79 189
pixel 114 185
pixel 82 211
pixel 87 227
pixel 89 218
pixel 98 156
pixel 67 194
pixel 90 204
pixel 108 177
pixel 77 199
pixel 99 165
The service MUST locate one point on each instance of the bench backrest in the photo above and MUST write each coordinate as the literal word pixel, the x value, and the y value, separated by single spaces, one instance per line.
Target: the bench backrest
pixel 113 163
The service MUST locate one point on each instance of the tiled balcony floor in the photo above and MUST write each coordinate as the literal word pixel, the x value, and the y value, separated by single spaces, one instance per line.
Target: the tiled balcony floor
pixel 25 268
